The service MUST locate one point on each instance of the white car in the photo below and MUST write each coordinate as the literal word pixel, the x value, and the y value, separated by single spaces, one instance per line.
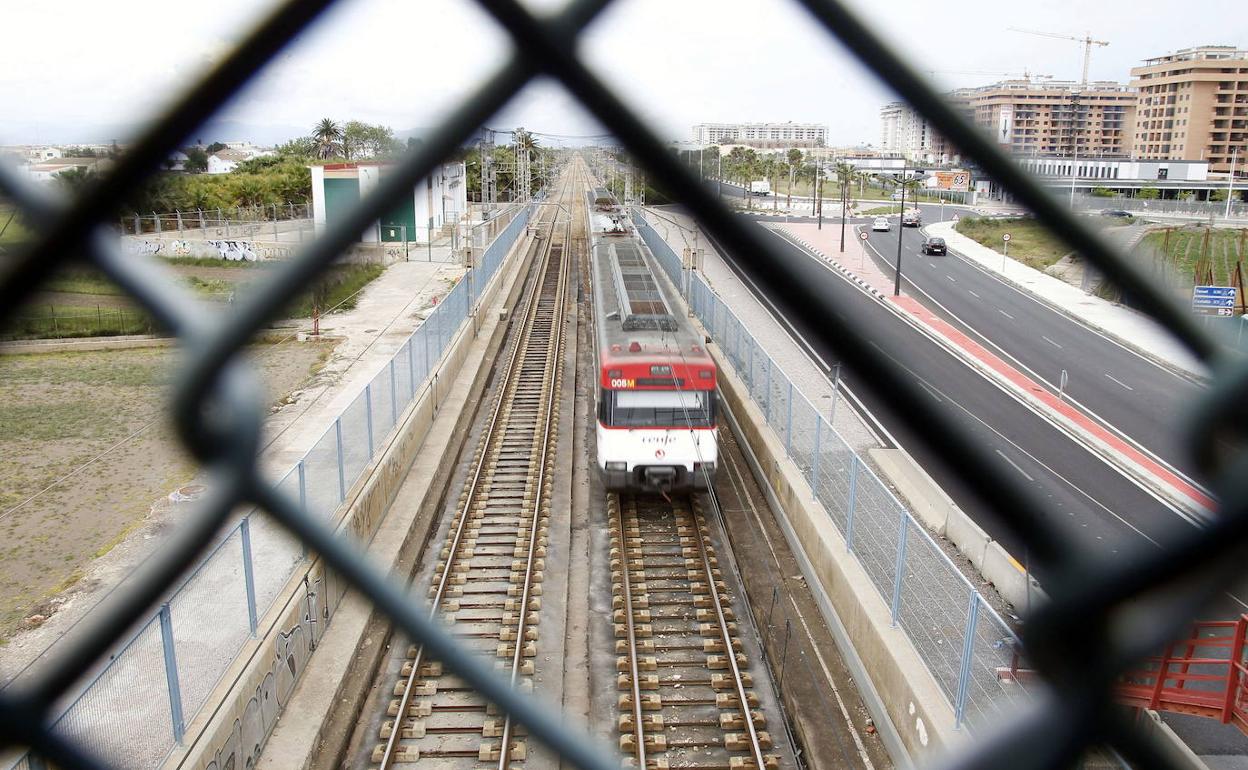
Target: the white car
pixel 880 225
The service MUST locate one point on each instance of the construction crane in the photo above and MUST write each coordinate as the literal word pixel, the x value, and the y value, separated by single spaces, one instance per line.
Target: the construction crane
pixel 1087 41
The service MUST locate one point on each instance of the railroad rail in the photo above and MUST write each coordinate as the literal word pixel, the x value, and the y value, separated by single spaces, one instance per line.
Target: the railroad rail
pixel 687 700
pixel 487 582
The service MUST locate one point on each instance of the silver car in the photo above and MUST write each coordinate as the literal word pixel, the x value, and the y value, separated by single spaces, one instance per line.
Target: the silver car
pixel 880 225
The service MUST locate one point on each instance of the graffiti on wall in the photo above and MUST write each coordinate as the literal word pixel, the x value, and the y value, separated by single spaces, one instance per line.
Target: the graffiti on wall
pixel 292 649
pixel 230 250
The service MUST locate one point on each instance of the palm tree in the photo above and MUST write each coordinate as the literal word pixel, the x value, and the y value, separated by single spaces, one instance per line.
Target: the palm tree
pixel 795 162
pixel 328 138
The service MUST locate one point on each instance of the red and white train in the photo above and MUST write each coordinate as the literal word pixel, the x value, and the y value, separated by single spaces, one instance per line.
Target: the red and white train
pixel 656 387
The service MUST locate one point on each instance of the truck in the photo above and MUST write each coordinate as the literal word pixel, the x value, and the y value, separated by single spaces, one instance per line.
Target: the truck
pixel 762 187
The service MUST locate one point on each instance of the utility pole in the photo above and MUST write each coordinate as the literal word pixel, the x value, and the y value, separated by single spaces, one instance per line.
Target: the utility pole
pixel 844 202
pixel 901 231
pixel 818 193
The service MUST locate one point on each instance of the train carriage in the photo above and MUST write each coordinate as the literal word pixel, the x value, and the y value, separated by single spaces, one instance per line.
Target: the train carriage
pixel 656 396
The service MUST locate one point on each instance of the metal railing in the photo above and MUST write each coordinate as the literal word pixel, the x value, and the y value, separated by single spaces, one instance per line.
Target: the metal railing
pixel 959 636
pixel 219 223
pixel 134 710
pixel 1101 617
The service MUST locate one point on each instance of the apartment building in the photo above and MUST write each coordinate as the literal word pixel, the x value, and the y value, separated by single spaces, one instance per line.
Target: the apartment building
pixel 1057 118
pixel 1193 105
pixel 762 134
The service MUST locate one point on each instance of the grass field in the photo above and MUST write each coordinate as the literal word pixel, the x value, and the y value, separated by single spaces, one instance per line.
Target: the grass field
pixel 1183 247
pixel 82 302
pixel 61 410
pixel 1030 241
pixel 12 229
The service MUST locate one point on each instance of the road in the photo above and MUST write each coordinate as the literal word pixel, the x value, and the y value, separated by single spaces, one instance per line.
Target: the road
pixel 1138 398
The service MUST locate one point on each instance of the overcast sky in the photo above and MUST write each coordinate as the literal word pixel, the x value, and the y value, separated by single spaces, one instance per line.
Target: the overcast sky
pixel 72 70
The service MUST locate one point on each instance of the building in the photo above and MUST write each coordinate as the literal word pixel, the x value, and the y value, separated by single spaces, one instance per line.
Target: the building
pixel 1055 118
pixel 225 161
pixel 907 134
pixel 1193 105
pixel 439 200
pixel 47 170
pixel 762 135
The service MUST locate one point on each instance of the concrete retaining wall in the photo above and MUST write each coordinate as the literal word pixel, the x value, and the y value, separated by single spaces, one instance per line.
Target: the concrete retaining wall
pixel 262 681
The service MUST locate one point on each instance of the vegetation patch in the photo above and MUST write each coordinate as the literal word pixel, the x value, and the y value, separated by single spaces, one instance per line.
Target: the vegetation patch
pixel 1196 250
pixel 1030 241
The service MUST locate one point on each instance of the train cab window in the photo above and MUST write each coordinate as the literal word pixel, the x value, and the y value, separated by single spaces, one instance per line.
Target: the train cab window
pixel 658 408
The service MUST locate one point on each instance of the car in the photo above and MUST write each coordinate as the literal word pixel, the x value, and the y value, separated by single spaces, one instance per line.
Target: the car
pixel 911 219
pixel 897 195
pixel 1115 213
pixel 935 246
pixel 880 225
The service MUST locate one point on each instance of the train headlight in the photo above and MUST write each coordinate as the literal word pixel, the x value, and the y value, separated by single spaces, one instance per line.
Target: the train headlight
pixel 706 374
pixel 615 465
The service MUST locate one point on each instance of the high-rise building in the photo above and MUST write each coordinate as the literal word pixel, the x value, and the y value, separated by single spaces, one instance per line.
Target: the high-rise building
pixel 906 133
pixel 762 134
pixel 1193 105
pixel 1055 118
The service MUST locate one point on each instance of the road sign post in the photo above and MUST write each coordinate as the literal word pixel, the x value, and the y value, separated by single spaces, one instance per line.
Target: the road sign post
pixel 1214 300
pixel 1005 239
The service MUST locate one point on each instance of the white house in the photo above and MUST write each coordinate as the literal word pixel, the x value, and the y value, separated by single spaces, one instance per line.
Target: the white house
pixel 436 201
pixel 225 161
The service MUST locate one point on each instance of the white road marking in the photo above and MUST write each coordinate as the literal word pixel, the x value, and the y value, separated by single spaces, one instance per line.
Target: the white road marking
pixel 1120 382
pixel 973 294
pixel 950 277
pixel 1051 342
pixel 931 392
pixel 1007 315
pixel 1013 464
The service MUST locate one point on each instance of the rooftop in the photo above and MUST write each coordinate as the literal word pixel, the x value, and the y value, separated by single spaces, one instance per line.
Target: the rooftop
pixel 1197 53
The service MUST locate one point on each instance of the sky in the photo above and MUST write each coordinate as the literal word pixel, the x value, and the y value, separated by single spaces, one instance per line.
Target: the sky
pixel 105 68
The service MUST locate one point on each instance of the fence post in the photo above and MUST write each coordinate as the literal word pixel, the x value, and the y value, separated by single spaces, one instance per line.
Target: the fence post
pixel 368 414
pixel 411 369
pixel 249 577
pixel 788 436
pixel 342 475
pixel 394 397
pixel 968 652
pixel 202 225
pixel 901 564
pixel 767 391
pixel 814 459
pixel 138 225
pixel 178 214
pixel 853 500
pixel 171 673
pixel 156 220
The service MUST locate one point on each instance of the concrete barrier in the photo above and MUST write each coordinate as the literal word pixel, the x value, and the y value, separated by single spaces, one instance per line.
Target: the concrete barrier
pixel 265 681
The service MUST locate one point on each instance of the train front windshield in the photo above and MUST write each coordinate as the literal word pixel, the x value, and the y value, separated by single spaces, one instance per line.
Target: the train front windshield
pixel 658 408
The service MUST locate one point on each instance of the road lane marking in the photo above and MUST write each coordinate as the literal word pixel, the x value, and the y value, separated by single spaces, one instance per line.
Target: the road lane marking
pixel 1013 464
pixel 1007 315
pixel 1120 382
pixel 1051 342
pixel 973 294
pixel 931 392
pixel 950 277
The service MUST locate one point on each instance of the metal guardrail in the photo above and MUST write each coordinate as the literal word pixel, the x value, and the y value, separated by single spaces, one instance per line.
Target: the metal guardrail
pixel 134 710
pixel 1101 618
pixel 961 639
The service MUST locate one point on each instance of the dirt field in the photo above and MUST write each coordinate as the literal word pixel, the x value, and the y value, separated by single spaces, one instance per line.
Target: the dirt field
pixel 57 411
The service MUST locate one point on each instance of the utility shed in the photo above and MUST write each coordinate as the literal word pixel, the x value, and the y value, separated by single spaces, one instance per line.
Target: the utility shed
pixel 436 203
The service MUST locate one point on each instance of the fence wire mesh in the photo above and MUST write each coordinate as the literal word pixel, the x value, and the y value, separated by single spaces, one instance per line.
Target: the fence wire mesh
pixel 1078 642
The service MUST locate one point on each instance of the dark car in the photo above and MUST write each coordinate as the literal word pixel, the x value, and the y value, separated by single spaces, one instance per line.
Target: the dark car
pixel 934 246
pixel 1115 213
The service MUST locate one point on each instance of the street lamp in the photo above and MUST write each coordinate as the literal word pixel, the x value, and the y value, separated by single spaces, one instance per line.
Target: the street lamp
pixel 901 231
pixel 844 201
pixel 1230 182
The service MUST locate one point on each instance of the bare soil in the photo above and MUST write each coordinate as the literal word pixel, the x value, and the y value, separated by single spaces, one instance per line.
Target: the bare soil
pixel 58 411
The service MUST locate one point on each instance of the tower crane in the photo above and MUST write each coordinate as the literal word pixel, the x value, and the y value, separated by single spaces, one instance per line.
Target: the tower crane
pixel 1087 41
pixel 1025 74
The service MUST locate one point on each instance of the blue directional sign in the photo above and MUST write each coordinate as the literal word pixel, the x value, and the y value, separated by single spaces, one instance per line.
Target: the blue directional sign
pixel 1214 300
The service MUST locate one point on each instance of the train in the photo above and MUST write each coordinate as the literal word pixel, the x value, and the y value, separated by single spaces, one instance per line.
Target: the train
pixel 655 397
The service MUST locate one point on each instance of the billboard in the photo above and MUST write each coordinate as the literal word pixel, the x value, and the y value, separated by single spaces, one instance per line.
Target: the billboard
pixel 953 180
pixel 1005 125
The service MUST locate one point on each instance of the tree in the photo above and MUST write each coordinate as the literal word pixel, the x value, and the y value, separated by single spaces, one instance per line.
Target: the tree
pixel 72 180
pixel 196 161
pixel 78 152
pixel 1102 192
pixel 299 147
pixel 328 137
pixel 1149 193
pixel 217 147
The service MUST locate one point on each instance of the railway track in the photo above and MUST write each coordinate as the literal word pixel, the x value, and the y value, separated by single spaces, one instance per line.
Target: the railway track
pixel 686 699
pixel 487 582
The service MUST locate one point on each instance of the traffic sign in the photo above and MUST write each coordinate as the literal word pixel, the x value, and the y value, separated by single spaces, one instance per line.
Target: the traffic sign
pixel 1006 237
pixel 955 218
pixel 1214 300
pixel 863 235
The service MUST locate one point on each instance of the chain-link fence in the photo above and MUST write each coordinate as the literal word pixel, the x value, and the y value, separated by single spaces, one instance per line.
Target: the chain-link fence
pixel 1199 211
pixel 238 222
pixel 961 639
pixel 1102 615
pixel 134 709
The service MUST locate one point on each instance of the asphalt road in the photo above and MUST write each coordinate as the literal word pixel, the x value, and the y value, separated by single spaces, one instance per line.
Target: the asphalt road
pixel 1141 400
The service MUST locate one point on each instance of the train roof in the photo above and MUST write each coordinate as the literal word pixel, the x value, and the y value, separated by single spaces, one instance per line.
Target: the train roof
pixel 638 316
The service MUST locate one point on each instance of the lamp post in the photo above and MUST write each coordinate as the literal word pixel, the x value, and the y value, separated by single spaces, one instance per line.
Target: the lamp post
pixel 901 231
pixel 817 201
pixel 844 201
pixel 1230 183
